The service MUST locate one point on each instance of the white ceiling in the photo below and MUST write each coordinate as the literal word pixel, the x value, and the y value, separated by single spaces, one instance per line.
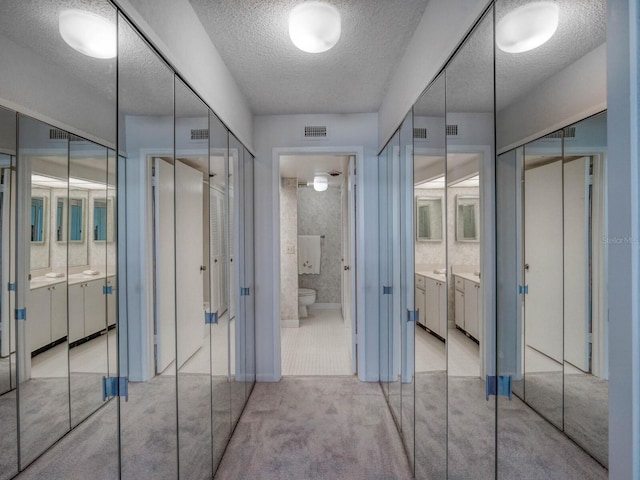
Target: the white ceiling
pixel 253 39
pixel 305 167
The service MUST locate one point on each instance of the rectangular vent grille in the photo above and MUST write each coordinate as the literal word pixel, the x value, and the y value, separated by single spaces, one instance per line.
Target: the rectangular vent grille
pixel 200 134
pixel 57 134
pixel 420 133
pixel 569 132
pixel 315 132
pixel 452 130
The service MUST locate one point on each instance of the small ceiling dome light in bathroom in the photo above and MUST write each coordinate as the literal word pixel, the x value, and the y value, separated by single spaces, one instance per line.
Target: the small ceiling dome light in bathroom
pixel 88 33
pixel 320 183
pixel 314 27
pixel 527 27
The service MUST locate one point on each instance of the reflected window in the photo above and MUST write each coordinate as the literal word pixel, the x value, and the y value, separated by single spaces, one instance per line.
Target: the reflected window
pixel 75 214
pixel 100 220
pixel 37 219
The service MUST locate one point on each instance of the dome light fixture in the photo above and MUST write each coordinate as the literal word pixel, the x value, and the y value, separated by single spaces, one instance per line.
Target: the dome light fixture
pixel 527 27
pixel 320 183
pixel 314 27
pixel 88 33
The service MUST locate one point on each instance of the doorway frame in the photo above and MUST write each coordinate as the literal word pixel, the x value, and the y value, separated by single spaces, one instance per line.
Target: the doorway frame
pixel 357 322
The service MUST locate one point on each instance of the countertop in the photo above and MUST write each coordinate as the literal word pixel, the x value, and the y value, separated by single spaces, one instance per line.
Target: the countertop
pixel 434 276
pixel 469 276
pixel 43 281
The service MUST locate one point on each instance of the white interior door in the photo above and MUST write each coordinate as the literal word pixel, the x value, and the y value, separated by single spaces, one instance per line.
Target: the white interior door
pixel 543 236
pixel 165 265
pixel 189 255
pixel 353 261
pixel 576 263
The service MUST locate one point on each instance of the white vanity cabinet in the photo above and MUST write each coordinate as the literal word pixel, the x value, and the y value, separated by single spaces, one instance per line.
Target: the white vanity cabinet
pixel 431 300
pixel 88 308
pixel 467 304
pixel 46 315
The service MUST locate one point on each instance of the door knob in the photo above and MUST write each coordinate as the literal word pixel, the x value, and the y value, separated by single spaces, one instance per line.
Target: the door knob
pixel 203 268
pixel 346 267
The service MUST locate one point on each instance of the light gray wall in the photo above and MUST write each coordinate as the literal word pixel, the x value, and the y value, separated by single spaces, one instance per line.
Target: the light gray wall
pixel 623 44
pixel 572 94
pixel 320 213
pixel 443 26
pixel 173 27
pixel 279 133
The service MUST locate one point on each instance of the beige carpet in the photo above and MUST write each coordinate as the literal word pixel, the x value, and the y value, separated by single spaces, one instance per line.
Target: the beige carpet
pixel 315 428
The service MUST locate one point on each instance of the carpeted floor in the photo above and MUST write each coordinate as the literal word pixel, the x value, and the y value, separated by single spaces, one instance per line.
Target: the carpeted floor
pixel 315 428
pixel 8 436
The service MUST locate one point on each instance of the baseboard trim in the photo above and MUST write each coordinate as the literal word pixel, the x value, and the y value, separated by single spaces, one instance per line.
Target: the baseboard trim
pixel 290 323
pixel 324 305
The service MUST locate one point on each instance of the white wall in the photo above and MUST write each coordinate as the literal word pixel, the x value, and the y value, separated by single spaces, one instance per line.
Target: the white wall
pixel 346 133
pixel 572 94
pixel 623 43
pixel 443 26
pixel 173 27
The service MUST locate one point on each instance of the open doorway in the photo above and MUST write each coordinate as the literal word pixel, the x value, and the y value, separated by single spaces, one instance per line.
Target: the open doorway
pixel 317 256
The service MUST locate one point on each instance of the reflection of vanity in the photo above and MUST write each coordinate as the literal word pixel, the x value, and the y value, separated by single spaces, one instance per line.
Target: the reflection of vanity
pixel 431 301
pixel 47 308
pixel 467 303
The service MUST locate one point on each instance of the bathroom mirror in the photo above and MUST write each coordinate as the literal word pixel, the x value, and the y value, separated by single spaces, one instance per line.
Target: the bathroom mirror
pixel 38 219
pixel 61 217
pixel 467 218
pixel 429 211
pixel 103 219
pixel 76 219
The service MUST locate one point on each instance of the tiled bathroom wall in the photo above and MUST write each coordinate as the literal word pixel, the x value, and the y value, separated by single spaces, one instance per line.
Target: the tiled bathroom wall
pixel 320 213
pixel 289 250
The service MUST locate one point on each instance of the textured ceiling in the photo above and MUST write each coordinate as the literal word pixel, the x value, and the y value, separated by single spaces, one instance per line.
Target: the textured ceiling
pixel 253 39
pixel 305 167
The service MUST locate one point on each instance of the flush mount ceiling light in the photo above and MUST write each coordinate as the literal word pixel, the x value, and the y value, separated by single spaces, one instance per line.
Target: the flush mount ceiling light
pixel 314 27
pixel 320 183
pixel 88 33
pixel 527 27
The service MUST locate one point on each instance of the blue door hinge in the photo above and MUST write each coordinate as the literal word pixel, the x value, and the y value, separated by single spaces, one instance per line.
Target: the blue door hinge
pixel 386 290
pixel 211 318
pixel 523 289
pixel 500 385
pixel 21 313
pixel 244 291
pixel 115 387
pixel 12 287
pixel 107 289
pixel 413 315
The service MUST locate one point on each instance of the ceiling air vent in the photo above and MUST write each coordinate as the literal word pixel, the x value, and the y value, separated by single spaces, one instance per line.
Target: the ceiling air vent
pixel 420 133
pixel 569 132
pixel 57 134
pixel 200 134
pixel 452 130
pixel 315 132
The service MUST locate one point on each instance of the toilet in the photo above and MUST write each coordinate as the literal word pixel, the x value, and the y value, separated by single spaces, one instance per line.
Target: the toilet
pixel 306 297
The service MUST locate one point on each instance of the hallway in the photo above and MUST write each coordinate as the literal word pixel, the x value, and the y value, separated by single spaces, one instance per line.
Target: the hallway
pixel 313 428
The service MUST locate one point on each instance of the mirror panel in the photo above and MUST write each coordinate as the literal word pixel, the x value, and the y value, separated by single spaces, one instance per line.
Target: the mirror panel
pixel 430 259
pixel 248 272
pixel 192 288
pixel 42 340
pixel 467 218
pixel 8 392
pixel 429 216
pixel 220 285
pixel 88 356
pixel 470 348
pixel 146 133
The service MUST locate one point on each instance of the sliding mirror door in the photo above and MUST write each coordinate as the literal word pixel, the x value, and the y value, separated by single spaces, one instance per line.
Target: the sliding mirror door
pixel 219 285
pixel 470 333
pixel 8 407
pixel 429 238
pixel 147 253
pixel 192 292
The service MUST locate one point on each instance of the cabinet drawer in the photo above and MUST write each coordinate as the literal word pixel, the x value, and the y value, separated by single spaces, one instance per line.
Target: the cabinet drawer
pixel 420 281
pixel 459 283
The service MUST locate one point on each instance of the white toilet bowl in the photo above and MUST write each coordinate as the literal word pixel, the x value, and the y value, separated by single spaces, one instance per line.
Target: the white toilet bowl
pixel 306 297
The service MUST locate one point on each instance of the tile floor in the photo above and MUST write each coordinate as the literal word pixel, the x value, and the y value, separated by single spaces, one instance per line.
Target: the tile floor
pixel 321 345
pixel 464 354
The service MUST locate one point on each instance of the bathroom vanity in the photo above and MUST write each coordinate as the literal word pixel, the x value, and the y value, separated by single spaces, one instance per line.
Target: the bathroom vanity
pixel 431 301
pixel 467 303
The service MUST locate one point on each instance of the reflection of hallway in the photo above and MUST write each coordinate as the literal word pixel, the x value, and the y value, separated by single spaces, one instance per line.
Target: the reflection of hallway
pixel 464 354
pixel 319 346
